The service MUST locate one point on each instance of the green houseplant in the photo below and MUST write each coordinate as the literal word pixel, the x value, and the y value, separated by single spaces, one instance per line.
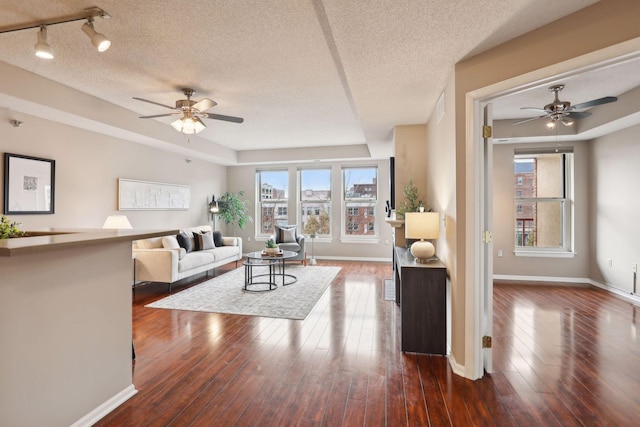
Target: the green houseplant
pixel 234 210
pixel 10 229
pixel 412 201
pixel 272 247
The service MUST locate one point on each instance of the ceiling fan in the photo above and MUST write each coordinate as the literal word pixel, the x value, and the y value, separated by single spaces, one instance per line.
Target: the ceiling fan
pixel 563 111
pixel 192 113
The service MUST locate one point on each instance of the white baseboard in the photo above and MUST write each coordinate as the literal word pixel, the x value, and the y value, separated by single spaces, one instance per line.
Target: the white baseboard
pixel 635 299
pixel 346 258
pixel 541 279
pixel 457 368
pixel 101 411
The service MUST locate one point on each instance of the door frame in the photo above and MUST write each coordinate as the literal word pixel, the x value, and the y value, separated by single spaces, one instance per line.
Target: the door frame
pixel 474 104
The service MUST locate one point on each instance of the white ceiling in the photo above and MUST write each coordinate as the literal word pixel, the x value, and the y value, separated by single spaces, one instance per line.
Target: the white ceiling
pixel 315 73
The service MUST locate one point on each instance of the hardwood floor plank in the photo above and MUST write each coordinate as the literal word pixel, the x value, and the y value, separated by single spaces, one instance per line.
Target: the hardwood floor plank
pixel 563 355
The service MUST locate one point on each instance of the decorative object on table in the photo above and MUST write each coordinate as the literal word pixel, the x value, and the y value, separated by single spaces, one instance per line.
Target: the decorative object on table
pixel 224 294
pixel 423 226
pixel 312 260
pixel 214 209
pixel 234 210
pixel 29 185
pixel 10 229
pixel 272 248
pixel 412 201
pixel 117 222
pixel 134 195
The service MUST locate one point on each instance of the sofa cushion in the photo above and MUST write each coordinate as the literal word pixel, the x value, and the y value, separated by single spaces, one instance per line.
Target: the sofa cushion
pixel 217 239
pixel 224 252
pixel 170 242
pixel 195 260
pixel 203 241
pixel 184 241
pixel 295 247
pixel 286 233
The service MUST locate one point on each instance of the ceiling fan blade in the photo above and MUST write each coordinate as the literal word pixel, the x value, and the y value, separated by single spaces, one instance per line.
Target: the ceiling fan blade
pixel 528 120
pixel 578 114
pixel 153 102
pixel 542 110
pixel 158 115
pixel 204 104
pixel 225 118
pixel 197 119
pixel 594 102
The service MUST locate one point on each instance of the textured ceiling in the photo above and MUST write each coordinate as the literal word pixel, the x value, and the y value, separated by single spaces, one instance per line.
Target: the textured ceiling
pixel 315 73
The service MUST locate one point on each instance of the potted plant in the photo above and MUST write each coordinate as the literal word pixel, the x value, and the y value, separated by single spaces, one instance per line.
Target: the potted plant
pixel 412 201
pixel 10 229
pixel 234 210
pixel 272 247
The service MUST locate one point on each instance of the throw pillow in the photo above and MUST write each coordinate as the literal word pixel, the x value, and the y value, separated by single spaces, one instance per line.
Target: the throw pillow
pixel 217 239
pixel 287 235
pixel 184 241
pixel 170 242
pixel 203 241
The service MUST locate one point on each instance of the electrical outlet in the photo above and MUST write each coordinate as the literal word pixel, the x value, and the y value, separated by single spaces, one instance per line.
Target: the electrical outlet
pixel 610 262
pixel 386 242
pixel 634 268
pixel 249 239
pixel 499 253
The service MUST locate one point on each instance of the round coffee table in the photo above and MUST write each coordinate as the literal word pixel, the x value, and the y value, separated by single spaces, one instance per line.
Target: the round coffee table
pixel 275 278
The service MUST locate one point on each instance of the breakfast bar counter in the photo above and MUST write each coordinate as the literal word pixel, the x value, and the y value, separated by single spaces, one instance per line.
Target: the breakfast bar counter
pixel 65 325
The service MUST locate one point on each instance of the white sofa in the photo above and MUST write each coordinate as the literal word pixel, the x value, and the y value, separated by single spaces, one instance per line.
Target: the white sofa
pixel 161 259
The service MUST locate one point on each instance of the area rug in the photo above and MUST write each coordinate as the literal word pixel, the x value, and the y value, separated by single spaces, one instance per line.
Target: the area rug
pixel 225 294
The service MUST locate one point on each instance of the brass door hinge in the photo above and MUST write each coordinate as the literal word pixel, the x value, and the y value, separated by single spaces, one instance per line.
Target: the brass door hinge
pixel 486 342
pixel 487 237
pixel 487 131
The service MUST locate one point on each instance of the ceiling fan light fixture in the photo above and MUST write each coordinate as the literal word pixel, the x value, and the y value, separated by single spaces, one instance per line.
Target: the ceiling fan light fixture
pixel 98 40
pixel 551 124
pixel 42 47
pixel 188 125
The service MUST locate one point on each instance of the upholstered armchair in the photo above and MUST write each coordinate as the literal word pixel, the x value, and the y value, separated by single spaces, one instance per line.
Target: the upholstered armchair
pixel 288 239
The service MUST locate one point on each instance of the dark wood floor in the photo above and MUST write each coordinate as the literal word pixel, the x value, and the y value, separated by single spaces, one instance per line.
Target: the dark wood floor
pixel 562 356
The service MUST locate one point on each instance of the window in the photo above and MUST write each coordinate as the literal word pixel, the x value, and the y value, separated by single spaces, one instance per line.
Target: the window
pixel 315 201
pixel 543 204
pixel 272 200
pixel 360 198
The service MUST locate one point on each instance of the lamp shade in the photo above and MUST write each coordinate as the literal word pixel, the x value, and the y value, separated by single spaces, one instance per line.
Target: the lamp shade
pixel 422 225
pixel 117 222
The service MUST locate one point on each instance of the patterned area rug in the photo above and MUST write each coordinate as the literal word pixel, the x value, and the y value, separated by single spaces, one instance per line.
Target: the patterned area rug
pixel 225 294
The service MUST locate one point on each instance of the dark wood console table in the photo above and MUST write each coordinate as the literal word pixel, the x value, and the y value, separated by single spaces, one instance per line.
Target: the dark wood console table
pixel 422 293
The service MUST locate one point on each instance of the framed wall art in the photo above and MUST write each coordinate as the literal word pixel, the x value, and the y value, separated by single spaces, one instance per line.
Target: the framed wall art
pixel 145 195
pixel 29 185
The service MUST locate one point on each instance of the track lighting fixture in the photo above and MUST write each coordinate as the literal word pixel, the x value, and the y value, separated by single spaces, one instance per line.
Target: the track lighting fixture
pixel 42 47
pixel 43 50
pixel 98 40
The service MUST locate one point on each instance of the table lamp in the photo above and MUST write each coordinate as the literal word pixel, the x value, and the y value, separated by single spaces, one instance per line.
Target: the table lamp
pixel 422 225
pixel 119 222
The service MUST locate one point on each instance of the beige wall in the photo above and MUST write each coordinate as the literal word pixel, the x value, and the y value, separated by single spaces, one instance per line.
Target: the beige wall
pixel 243 178
pixel 503 218
pixel 614 176
pixel 88 166
pixel 596 27
pixel 410 152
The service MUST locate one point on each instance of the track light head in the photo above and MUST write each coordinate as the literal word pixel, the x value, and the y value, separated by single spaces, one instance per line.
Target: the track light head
pixel 98 40
pixel 42 47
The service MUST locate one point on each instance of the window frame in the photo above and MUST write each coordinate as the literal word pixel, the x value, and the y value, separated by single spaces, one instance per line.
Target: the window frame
pixel 276 203
pixel 363 204
pixel 566 201
pixel 309 207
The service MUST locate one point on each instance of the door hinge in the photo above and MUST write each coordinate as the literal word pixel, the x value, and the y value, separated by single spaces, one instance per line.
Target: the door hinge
pixel 486 342
pixel 487 131
pixel 487 237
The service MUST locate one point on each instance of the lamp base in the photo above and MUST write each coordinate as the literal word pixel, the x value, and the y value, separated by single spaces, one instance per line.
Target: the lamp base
pixel 423 251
